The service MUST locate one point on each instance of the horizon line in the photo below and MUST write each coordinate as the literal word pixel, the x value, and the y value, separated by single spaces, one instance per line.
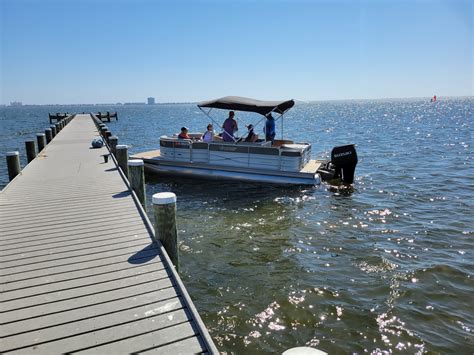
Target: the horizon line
pixel 144 103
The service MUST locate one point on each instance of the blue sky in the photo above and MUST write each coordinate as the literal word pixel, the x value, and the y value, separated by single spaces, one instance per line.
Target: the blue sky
pixel 105 51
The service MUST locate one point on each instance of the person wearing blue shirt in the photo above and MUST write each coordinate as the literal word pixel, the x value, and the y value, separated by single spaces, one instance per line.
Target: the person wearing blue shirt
pixel 270 128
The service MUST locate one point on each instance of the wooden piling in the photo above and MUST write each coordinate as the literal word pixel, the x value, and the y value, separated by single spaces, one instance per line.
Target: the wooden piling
pixel 108 134
pixel 53 130
pixel 13 164
pixel 30 150
pixel 58 127
pixel 164 208
pixel 103 130
pixel 122 158
pixel 136 176
pixel 113 140
pixel 49 135
pixel 40 137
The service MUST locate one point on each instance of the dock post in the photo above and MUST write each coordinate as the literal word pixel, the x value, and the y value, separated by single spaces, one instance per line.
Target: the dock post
pixel 113 140
pixel 49 135
pixel 30 150
pixel 53 130
pixel 108 134
pixel 58 127
pixel 40 137
pixel 13 164
pixel 122 158
pixel 102 131
pixel 136 173
pixel 164 208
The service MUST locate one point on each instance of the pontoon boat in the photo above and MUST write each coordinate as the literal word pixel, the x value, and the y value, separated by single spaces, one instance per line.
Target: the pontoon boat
pixel 279 162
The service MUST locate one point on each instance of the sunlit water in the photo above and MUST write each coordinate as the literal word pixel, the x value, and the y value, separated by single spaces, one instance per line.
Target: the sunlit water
pixel 387 267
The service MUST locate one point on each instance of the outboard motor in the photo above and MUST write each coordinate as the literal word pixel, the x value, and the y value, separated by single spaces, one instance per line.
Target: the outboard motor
pixel 344 159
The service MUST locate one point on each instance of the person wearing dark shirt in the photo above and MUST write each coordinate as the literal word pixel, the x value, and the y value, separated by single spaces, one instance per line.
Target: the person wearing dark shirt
pixel 270 128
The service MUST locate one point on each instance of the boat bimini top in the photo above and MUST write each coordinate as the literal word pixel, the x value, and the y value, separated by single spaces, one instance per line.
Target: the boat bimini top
pixel 237 103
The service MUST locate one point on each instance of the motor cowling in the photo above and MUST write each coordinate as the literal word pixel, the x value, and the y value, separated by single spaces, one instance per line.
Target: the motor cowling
pixel 344 159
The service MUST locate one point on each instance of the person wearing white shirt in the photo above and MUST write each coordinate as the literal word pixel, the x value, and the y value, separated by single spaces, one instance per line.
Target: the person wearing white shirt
pixel 208 136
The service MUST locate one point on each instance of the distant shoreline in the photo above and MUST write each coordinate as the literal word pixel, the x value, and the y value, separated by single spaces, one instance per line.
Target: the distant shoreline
pixel 440 98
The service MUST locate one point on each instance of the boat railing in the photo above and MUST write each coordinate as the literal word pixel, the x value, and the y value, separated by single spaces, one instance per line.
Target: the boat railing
pixel 286 157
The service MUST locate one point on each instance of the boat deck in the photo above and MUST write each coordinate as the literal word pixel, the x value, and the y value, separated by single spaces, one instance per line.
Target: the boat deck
pixel 147 155
pixel 79 269
pixel 311 167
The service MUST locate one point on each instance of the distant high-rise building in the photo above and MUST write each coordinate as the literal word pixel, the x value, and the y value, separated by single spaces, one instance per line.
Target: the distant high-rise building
pixel 151 101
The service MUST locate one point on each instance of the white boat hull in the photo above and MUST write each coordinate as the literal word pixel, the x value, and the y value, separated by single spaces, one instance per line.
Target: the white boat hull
pixel 215 173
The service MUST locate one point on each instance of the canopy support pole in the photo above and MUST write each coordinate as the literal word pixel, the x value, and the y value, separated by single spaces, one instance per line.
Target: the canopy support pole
pixel 282 128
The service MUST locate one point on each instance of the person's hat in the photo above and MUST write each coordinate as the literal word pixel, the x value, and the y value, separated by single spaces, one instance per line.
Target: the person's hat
pixel 184 128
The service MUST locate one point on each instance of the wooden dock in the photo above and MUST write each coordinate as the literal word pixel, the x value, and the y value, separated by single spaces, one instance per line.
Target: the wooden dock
pixel 80 272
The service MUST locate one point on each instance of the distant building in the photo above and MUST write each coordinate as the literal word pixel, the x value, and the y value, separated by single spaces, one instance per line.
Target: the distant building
pixel 16 103
pixel 151 101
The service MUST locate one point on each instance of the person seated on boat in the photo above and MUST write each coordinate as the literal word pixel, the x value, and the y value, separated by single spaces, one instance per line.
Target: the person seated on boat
pixel 251 136
pixel 230 127
pixel 184 133
pixel 208 136
pixel 269 128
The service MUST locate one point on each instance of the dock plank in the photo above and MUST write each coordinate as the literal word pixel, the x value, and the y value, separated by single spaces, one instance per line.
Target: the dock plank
pixel 90 266
pixel 79 259
pixel 159 338
pixel 26 253
pixel 79 268
pixel 113 308
pixel 39 310
pixel 77 282
pixel 84 240
pixel 106 326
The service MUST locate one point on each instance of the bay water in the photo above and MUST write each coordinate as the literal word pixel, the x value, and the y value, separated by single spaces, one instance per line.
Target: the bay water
pixel 385 267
